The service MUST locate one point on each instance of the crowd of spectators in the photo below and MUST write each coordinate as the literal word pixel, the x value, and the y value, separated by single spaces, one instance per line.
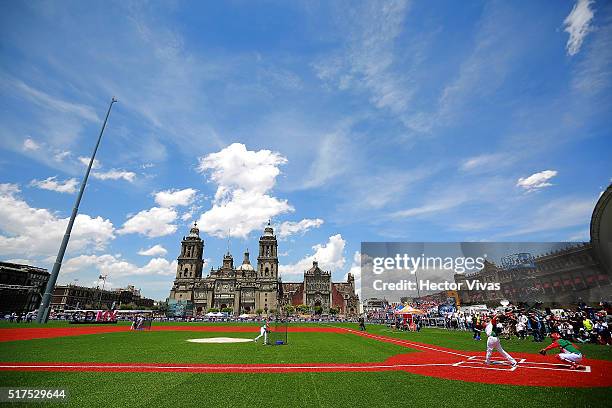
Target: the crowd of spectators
pixel 582 324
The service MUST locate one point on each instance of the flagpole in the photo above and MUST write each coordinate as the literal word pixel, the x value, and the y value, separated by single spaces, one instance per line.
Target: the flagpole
pixel 43 311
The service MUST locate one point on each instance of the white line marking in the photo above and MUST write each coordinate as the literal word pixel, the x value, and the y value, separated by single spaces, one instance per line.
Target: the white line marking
pixel 393 340
pixel 224 368
pixel 522 364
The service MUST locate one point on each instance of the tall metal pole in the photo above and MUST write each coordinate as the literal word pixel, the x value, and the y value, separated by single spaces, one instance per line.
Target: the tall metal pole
pixel 43 311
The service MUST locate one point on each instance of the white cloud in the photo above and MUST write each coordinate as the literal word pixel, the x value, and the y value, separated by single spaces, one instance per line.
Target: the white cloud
pixel 67 186
pixel 438 204
pixel 556 215
pixel 115 267
pixel 333 159
pixel 482 72
pixel 155 222
pixel 155 250
pixel 61 155
pixel 235 167
pixel 367 62
pixel 85 162
pixel 244 179
pixel 174 198
pixel 37 232
pixel 330 256
pixel 49 102
pixel 30 145
pixel 537 180
pixel 481 161
pixel 114 174
pixel 291 227
pixel 577 25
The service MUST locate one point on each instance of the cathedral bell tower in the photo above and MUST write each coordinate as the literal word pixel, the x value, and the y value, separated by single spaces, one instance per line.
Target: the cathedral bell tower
pixel 267 261
pixel 190 260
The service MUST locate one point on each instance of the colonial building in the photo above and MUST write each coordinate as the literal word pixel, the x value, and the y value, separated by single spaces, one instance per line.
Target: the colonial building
pixel 246 288
pixel 71 297
pixel 580 272
pixel 560 277
pixel 21 287
pixel 318 290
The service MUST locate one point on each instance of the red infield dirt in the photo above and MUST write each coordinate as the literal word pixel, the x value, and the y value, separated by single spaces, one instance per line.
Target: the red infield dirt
pixel 432 361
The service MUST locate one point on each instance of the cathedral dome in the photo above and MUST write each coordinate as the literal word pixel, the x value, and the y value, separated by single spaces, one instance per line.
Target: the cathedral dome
pixel 246 267
pixel 194 232
pixel 268 231
pixel 246 263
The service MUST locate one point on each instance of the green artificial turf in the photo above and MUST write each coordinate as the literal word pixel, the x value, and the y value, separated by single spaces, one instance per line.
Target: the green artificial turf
pixel 340 389
pixel 173 347
pixel 463 340
pixel 375 389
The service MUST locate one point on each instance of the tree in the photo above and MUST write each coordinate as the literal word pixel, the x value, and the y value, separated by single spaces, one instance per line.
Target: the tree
pixel 227 310
pixel 213 310
pixel 318 310
pixel 289 309
pixel 259 312
pixel 302 308
pixel 334 311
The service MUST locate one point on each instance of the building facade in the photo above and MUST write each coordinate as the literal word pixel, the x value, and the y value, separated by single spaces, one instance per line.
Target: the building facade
pixel 71 297
pixel 560 277
pixel 246 288
pixel 21 287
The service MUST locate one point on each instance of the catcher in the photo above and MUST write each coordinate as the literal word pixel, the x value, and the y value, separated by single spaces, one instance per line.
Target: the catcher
pixel 569 353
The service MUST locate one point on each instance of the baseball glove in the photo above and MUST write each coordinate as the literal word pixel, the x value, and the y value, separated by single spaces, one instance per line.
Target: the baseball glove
pixel 542 352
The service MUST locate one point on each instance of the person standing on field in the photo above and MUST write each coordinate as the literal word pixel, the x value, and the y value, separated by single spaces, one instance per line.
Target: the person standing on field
pixel 263 332
pixel 493 330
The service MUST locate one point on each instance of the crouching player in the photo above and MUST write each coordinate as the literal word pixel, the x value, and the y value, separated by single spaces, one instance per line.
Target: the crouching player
pixel 569 353
pixel 493 330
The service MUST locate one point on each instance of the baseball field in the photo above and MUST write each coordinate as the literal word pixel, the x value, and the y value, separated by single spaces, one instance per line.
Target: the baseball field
pixel 323 365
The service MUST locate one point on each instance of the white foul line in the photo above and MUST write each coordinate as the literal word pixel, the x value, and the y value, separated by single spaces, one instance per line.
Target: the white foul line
pixel 224 368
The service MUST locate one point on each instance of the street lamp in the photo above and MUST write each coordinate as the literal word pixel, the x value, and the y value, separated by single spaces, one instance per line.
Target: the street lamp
pixel 103 279
pixel 43 311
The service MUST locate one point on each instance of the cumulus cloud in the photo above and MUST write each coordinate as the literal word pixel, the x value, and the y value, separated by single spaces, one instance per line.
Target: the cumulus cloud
pixel 30 145
pixel 85 162
pixel 537 180
pixel 174 198
pixel 51 183
pixel 242 202
pixel 116 267
pixel 37 232
pixel 155 222
pixel 330 256
pixel 577 25
pixel 288 228
pixel 155 250
pixel 114 174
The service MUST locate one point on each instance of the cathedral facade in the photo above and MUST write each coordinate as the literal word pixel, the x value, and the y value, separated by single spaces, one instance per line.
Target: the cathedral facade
pixel 246 288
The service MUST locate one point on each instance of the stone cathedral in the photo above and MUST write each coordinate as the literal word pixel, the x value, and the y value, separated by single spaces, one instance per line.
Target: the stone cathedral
pixel 246 288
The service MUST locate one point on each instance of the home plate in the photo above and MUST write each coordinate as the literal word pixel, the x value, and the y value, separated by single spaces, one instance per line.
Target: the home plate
pixel 220 340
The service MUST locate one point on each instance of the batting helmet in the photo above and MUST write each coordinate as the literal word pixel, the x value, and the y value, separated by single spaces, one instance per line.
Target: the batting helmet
pixel 555 336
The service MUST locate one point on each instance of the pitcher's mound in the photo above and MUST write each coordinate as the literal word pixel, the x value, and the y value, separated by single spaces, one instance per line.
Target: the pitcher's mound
pixel 220 340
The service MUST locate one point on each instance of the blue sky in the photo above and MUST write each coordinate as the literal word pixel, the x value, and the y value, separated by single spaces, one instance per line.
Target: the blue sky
pixel 342 121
